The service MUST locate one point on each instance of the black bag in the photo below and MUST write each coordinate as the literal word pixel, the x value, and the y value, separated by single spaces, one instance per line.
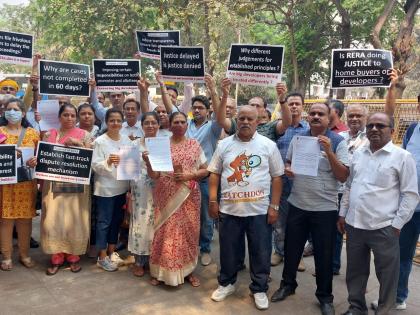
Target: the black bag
pixel 24 173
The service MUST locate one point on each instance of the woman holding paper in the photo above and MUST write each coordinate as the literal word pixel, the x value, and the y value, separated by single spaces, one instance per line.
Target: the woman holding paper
pixel 65 206
pixel 17 200
pixel 142 213
pixel 174 251
pixel 109 192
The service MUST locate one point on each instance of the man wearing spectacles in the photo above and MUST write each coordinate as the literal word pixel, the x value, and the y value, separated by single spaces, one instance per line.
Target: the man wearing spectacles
pixel 380 196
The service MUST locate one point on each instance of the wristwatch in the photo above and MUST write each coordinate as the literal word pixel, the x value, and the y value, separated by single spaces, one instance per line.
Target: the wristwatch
pixel 273 206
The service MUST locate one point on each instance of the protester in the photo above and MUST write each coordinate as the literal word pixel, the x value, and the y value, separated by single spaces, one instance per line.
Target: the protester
pixel 336 112
pixel 9 86
pixel 174 251
pixel 381 195
pixel 109 192
pixel 247 165
pixel 65 206
pixel 295 103
pixel 86 115
pixel 17 200
pixel 131 127
pixel 142 205
pixel 314 210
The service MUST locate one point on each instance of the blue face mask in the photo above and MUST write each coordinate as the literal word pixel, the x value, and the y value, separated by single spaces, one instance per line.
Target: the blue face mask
pixel 13 116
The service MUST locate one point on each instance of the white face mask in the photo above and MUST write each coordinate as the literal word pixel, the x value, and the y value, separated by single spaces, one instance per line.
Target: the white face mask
pixel 13 116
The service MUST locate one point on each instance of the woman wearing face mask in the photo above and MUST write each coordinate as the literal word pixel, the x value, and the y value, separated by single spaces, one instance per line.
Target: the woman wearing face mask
pixel 176 195
pixel 65 207
pixel 142 215
pixel 18 200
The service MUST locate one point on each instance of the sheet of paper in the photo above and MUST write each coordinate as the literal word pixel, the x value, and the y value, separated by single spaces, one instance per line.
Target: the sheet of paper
pixel 306 154
pixel 160 154
pixel 130 163
pixel 48 110
pixel 27 153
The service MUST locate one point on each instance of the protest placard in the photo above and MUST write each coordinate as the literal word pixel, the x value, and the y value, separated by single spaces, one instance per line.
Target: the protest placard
pixel 360 68
pixel 149 42
pixel 255 64
pixel 59 163
pixel 16 48
pixel 182 64
pixel 63 78
pixel 116 74
pixel 8 166
pixel 48 110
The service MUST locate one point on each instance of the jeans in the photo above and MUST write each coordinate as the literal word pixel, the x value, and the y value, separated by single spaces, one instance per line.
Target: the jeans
pixel 109 218
pixel 232 231
pixel 322 226
pixel 141 260
pixel 279 228
pixel 408 240
pixel 338 244
pixel 206 223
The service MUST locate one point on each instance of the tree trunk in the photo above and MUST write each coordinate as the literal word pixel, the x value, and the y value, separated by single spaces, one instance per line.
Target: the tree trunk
pixel 375 35
pixel 207 39
pixel 293 55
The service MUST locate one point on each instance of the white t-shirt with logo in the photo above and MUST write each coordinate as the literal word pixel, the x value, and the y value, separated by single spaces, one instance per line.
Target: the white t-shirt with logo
pixel 246 170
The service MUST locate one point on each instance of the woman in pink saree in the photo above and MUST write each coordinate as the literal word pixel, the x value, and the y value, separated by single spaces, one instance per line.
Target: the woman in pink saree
pixel 65 207
pixel 174 252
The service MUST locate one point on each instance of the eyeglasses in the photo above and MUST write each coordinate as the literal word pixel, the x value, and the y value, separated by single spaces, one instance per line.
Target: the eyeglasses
pixel 8 88
pixel 377 126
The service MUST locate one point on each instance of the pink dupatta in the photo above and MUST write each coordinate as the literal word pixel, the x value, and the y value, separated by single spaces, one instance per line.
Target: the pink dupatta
pixel 76 133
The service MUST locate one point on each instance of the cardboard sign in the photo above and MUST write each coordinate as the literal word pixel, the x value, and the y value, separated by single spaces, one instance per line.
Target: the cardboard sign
pixel 360 68
pixel 8 166
pixel 255 64
pixel 116 74
pixel 63 78
pixel 182 64
pixel 149 42
pixel 59 163
pixel 16 48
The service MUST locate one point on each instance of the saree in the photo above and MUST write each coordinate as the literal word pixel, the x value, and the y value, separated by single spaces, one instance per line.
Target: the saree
pixel 65 222
pixel 174 252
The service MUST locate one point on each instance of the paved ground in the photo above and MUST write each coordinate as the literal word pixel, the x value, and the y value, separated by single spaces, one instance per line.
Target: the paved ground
pixel 93 291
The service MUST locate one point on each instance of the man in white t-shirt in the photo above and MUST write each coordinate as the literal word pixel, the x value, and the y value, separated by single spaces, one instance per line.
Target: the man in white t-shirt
pixel 246 165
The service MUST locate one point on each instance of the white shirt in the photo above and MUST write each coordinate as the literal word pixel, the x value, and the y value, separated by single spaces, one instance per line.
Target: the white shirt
pixel 246 170
pixel 381 189
pixel 136 130
pixel 106 183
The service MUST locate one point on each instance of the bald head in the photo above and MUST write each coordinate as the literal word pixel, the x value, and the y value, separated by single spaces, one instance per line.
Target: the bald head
pixel 248 109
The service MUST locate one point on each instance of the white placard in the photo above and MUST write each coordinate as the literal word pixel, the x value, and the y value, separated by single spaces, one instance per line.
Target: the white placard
pixel 130 163
pixel 48 110
pixel 306 153
pixel 160 154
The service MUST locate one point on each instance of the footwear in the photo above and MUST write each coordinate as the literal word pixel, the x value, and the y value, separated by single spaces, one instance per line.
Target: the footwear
pixel 106 264
pixel 51 271
pixel 301 267
pixel 194 281
pixel 205 259
pixel 282 293
pixel 276 259
pixel 374 305
pixel 116 259
pixel 75 267
pixel 308 250
pixel 33 243
pixel 6 265
pixel 400 306
pixel 27 262
pixel 222 292
pixel 261 300
pixel 138 271
pixel 327 309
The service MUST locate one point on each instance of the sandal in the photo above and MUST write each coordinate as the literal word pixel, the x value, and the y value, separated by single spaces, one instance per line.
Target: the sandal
pixel 6 265
pixel 51 271
pixel 154 281
pixel 138 271
pixel 194 281
pixel 75 267
pixel 27 262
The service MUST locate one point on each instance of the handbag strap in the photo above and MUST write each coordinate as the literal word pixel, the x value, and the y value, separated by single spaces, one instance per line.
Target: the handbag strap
pixel 19 143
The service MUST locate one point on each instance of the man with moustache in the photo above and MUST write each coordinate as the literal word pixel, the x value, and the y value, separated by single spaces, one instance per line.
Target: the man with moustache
pixel 313 209
pixel 380 197
pixel 245 165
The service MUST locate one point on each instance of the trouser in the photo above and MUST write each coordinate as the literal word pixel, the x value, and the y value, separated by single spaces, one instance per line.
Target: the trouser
pixel 109 215
pixel 93 221
pixel 206 223
pixel 59 258
pixel 408 240
pixel 385 247
pixel 232 230
pixel 322 226
pixel 338 244
pixel 24 230
pixel 279 228
pixel 141 260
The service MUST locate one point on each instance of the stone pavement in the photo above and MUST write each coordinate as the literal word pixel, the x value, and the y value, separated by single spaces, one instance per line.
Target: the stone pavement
pixel 93 291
